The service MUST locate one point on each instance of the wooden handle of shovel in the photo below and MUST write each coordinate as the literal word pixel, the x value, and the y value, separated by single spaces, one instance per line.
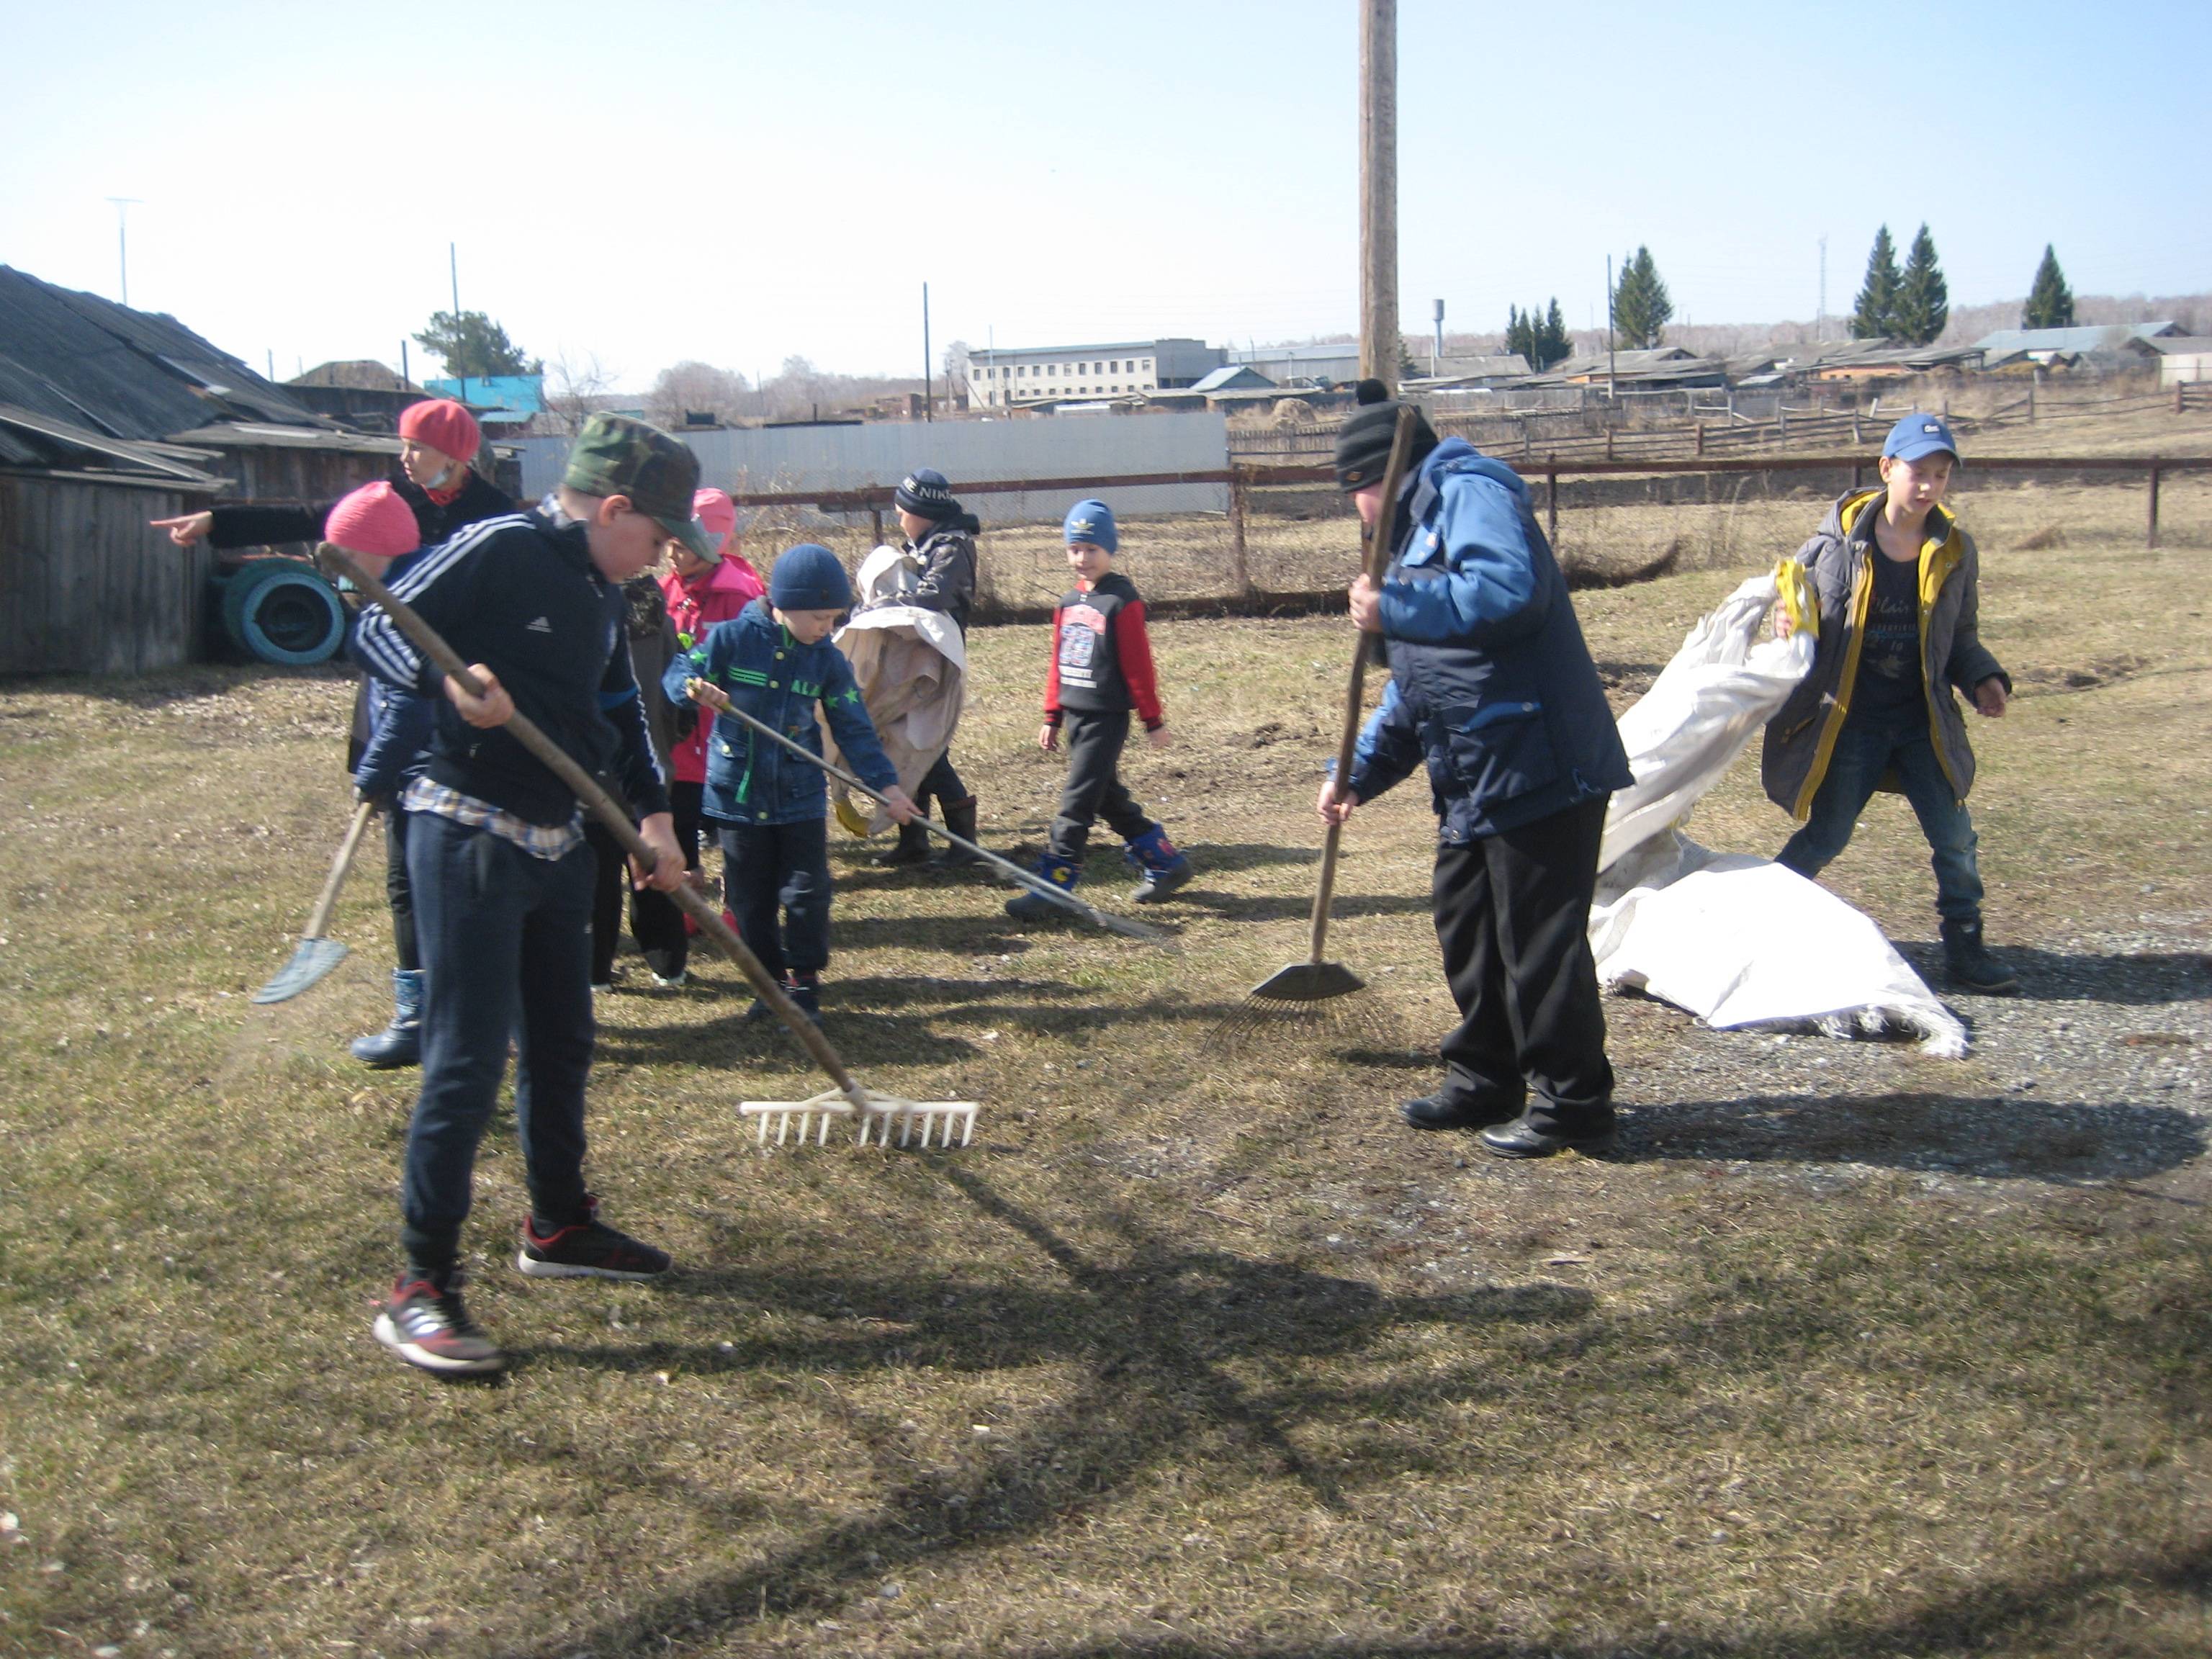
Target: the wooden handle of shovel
pixel 319 923
pixel 602 806
pixel 1374 561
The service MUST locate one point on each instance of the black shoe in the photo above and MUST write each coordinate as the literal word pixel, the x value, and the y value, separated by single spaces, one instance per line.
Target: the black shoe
pixel 424 1323
pixel 912 847
pixel 1446 1110
pixel 960 819
pixel 399 1043
pixel 806 990
pixel 1522 1139
pixel 1969 964
pixel 587 1249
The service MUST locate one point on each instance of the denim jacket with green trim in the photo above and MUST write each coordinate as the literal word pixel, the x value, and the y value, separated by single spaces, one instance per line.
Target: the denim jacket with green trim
pixel 754 660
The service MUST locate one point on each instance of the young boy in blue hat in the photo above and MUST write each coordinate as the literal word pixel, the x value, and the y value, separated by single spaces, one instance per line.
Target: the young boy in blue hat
pixel 1101 673
pixel 775 660
pixel 1896 579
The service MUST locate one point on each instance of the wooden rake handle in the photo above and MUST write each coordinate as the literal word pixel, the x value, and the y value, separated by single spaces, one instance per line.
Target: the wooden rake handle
pixel 602 806
pixel 1375 560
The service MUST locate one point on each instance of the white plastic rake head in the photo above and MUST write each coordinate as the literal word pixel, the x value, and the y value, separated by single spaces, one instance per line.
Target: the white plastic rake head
pixel 798 1123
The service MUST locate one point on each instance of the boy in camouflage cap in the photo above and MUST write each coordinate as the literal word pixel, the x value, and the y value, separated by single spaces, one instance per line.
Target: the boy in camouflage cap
pixel 502 874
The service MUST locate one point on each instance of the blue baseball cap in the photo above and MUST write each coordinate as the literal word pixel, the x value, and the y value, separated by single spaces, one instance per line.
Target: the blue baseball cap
pixel 1918 435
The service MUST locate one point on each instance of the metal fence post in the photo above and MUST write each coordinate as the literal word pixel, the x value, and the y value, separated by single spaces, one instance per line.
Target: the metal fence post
pixel 876 514
pixel 1552 502
pixel 1238 569
pixel 2152 539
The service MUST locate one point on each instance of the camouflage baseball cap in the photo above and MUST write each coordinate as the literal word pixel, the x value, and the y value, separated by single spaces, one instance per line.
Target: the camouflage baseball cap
pixel 616 455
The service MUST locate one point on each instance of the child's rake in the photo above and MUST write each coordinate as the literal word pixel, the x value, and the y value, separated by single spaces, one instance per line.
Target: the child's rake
pixel 1310 995
pixel 714 697
pixel 873 1115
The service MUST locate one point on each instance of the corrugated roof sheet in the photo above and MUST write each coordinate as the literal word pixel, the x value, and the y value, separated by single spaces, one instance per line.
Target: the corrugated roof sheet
pixel 2088 337
pixel 30 439
pixel 128 373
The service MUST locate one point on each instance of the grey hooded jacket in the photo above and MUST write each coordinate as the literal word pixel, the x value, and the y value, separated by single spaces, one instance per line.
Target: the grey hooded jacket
pixel 1801 736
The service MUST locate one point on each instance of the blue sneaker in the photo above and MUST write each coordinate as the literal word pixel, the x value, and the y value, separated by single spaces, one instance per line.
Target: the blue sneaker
pixel 1027 906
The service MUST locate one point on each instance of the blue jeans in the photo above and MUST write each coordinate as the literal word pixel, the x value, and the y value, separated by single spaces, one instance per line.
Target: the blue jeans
pixel 768 868
pixel 506 943
pixel 1862 755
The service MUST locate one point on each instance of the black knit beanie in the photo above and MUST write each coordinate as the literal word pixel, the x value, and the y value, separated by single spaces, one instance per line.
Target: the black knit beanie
pixel 1363 442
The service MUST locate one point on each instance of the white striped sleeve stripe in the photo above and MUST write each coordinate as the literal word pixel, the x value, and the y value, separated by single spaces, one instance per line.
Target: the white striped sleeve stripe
pixel 382 643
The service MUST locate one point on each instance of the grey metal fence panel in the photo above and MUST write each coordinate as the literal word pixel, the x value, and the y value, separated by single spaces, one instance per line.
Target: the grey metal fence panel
pixel 1104 447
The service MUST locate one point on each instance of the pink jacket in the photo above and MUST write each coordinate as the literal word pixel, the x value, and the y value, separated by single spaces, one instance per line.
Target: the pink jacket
pixel 694 607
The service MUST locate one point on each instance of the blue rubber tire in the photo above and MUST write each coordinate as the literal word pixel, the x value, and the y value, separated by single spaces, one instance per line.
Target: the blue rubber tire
pixel 280 611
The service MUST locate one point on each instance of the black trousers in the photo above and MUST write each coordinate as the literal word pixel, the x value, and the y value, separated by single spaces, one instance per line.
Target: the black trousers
pixel 1512 915
pixel 406 954
pixel 686 805
pixel 1094 789
pixel 941 783
pixel 655 921
pixel 772 867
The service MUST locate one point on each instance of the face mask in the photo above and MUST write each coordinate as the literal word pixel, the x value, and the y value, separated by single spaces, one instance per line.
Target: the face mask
pixel 442 481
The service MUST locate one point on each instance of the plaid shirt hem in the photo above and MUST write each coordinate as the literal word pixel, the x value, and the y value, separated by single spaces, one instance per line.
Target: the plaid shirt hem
pixel 541 841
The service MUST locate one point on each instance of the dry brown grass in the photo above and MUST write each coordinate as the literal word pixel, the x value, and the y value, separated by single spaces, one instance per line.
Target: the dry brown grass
pixel 1856 1352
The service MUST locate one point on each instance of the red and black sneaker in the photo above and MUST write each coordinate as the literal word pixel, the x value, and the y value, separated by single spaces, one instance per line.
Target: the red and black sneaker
pixel 424 1323
pixel 587 1249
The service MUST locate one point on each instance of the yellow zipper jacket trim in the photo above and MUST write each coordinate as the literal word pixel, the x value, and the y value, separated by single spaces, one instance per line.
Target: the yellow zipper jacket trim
pixel 1937 561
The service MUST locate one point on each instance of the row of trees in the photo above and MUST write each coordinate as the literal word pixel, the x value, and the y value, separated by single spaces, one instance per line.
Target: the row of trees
pixel 1639 306
pixel 1914 304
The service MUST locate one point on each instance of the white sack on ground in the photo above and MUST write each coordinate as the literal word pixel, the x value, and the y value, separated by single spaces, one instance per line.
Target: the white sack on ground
pixel 912 667
pixel 1735 939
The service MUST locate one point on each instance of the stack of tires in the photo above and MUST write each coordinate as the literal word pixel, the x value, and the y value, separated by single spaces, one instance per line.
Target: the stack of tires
pixel 280 611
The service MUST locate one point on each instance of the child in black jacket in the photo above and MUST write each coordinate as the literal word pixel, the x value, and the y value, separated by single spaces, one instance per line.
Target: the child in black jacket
pixel 1102 670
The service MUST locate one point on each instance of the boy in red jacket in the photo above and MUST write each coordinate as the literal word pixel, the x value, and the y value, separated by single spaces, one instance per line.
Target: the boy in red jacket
pixel 1102 669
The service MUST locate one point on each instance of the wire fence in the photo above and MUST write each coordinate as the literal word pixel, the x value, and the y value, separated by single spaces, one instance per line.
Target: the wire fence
pixel 1288 541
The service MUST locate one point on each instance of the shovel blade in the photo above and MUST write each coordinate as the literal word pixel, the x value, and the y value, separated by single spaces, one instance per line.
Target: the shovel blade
pixel 313 959
pixel 1309 982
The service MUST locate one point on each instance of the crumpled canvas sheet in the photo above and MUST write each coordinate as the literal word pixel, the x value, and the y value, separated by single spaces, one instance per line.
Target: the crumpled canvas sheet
pixel 912 667
pixel 1735 939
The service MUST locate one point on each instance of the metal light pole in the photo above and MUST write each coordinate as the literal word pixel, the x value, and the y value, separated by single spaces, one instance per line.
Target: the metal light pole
pixel 122 206
pixel 453 270
pixel 1380 345
pixel 928 400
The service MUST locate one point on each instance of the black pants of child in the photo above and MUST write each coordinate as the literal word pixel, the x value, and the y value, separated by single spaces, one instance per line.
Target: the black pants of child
pixel 1094 789
pixel 767 867
pixel 655 921
pixel 407 955
pixel 1512 913
pixel 941 784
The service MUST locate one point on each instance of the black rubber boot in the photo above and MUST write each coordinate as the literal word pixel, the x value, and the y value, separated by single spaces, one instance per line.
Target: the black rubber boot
pixel 960 819
pixel 399 1043
pixel 911 848
pixel 1971 966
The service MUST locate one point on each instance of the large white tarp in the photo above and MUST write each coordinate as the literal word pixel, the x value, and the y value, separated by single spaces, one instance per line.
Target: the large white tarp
pixel 1735 939
pixel 912 667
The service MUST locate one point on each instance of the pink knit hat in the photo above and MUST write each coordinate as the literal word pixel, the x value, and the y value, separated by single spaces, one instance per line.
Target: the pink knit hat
pixel 718 513
pixel 373 520
pixel 444 425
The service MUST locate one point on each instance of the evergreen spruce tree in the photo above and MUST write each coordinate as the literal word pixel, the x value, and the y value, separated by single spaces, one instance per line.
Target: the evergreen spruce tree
pixel 1552 345
pixel 1640 303
pixel 2050 302
pixel 1875 313
pixel 1923 298
pixel 1520 334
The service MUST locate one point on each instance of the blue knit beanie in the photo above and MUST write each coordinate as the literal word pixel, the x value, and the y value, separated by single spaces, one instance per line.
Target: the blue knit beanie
pixel 808 577
pixel 1092 521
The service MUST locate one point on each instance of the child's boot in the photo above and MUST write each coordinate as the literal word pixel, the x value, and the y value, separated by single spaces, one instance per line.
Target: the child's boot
pixel 911 846
pixel 1164 867
pixel 1971 966
pixel 1026 906
pixel 399 1043
pixel 804 987
pixel 960 819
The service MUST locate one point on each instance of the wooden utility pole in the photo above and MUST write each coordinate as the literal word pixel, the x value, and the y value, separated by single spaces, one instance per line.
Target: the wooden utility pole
pixel 1380 345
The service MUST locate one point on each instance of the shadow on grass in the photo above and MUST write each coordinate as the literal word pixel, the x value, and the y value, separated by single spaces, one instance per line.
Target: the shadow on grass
pixel 1294 907
pixel 1153 1335
pixel 2126 979
pixel 2007 1139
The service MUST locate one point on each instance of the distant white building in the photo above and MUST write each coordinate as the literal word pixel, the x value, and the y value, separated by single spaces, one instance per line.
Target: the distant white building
pixel 1009 378
pixel 1335 363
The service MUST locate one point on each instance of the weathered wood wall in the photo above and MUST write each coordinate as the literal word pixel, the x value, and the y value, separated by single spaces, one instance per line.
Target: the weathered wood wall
pixel 86 587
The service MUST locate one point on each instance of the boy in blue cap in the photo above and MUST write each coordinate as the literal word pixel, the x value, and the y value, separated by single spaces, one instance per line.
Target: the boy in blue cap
pixel 1101 671
pixel 1896 579
pixel 775 660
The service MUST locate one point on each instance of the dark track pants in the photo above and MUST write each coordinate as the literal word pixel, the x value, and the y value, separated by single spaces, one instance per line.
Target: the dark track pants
pixel 941 784
pixel 1512 915
pixel 655 921
pixel 405 953
pixel 507 944
pixel 767 867
pixel 1094 789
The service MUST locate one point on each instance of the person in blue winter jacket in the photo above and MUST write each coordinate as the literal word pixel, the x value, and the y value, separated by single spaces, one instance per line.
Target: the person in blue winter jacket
pixel 1493 688
pixel 775 660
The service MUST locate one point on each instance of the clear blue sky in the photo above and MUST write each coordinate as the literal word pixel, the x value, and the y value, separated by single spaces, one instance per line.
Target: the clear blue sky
pixel 738 182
